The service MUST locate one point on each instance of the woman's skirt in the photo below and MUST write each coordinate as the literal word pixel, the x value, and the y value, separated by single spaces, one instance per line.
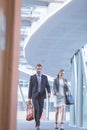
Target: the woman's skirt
pixel 59 101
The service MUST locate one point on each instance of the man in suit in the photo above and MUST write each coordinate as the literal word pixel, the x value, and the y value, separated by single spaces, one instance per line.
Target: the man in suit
pixel 37 93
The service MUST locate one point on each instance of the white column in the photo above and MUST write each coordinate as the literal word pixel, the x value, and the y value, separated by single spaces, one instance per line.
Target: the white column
pixel 73 109
pixel 80 92
pixel 84 68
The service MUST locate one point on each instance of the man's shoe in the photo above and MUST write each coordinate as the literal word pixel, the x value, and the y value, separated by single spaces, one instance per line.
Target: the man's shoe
pixel 37 128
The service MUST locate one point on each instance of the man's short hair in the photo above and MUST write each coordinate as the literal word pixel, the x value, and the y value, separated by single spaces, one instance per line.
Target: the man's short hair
pixel 39 65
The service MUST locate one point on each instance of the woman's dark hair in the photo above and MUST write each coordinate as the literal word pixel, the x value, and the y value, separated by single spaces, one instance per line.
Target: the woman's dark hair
pixel 62 70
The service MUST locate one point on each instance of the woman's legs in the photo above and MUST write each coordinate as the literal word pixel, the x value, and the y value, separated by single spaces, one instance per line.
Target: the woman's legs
pixel 62 116
pixel 56 117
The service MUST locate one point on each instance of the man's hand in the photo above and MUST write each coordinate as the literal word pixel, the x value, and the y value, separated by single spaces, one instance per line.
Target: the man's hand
pixel 29 101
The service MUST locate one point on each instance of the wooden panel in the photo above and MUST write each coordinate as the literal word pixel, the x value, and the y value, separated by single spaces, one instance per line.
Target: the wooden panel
pixel 9 61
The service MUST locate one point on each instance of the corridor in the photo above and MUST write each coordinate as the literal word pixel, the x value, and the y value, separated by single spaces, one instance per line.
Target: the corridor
pixel 45 125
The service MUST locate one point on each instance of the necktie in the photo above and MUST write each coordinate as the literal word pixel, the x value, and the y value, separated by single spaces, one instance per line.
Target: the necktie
pixel 39 81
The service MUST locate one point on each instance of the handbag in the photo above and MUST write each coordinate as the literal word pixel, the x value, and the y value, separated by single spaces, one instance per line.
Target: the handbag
pixel 29 112
pixel 69 100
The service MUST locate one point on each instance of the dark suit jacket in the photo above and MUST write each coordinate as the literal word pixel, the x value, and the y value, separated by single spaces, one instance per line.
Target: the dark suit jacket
pixel 33 86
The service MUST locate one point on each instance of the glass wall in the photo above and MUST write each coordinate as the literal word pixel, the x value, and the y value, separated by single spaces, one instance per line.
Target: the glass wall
pixel 84 54
pixel 79 80
pixel 84 106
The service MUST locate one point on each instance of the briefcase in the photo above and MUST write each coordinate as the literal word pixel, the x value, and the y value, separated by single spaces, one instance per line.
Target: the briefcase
pixel 29 112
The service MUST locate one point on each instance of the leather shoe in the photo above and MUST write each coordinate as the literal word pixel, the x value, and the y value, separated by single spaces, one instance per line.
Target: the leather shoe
pixel 37 128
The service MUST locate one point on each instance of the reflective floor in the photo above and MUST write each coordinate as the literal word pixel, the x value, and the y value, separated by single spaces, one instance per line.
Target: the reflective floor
pixel 45 125
pixel 22 124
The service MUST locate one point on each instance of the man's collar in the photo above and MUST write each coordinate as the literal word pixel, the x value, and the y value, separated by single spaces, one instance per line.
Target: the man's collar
pixel 38 74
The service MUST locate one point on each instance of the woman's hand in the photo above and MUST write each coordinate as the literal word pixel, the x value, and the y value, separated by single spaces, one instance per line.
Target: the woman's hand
pixel 57 94
pixel 65 84
pixel 49 95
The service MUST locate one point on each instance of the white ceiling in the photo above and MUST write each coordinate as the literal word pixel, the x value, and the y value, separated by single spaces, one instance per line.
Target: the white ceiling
pixel 56 41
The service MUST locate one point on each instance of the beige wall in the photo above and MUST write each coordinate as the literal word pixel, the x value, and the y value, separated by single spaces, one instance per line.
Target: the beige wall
pixel 9 61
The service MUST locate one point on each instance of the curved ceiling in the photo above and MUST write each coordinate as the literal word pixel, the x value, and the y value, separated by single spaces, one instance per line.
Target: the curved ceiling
pixel 56 41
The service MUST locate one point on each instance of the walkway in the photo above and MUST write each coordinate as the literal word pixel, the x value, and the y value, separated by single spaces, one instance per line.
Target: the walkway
pixel 45 125
pixel 22 124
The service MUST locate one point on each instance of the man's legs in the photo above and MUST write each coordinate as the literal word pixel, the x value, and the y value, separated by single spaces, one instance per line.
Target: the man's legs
pixel 38 109
pixel 41 104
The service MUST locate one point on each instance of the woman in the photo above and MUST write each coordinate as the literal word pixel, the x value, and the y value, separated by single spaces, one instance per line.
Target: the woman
pixel 58 89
